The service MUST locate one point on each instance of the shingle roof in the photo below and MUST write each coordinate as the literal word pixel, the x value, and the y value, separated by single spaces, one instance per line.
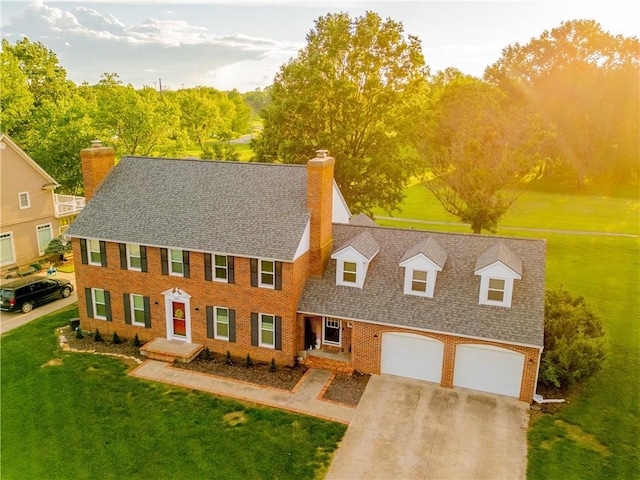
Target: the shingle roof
pixel 363 220
pixel 500 253
pixel 245 209
pixel 430 248
pixel 454 308
pixel 363 243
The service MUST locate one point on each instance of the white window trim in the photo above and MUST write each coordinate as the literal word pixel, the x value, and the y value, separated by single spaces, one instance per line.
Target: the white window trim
pixel 170 259
pixel 129 266
pixel 271 286
pixel 49 226
pixel 20 200
pixel 420 263
pixel 133 310
pixel 214 266
pixel 260 342
pixel 89 252
pixel 9 235
pixel 215 324
pixel 497 271
pixel 339 327
pixel 94 301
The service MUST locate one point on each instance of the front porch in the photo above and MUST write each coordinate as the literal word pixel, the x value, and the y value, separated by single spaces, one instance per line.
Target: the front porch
pixel 170 351
pixel 326 359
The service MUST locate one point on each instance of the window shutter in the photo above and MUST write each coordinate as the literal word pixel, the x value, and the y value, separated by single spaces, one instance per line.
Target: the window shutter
pixel 83 251
pixel 147 312
pixel 143 258
pixel 207 268
pixel 254 272
pixel 278 285
pixel 103 253
pixel 89 299
pixel 254 329
pixel 278 332
pixel 123 256
pixel 127 307
pixel 230 273
pixel 107 301
pixel 185 262
pixel 164 261
pixel 210 329
pixel 232 325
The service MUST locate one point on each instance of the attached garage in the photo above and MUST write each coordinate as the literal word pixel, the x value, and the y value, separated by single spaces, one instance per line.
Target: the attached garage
pixel 413 356
pixel 488 369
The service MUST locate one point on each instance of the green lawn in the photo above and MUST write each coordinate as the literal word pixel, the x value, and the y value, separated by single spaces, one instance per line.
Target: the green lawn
pixel 79 416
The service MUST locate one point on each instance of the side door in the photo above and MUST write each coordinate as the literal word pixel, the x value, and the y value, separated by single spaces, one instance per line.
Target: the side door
pixel 49 290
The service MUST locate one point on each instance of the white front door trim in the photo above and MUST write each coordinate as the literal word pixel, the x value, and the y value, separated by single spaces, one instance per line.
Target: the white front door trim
pixel 177 295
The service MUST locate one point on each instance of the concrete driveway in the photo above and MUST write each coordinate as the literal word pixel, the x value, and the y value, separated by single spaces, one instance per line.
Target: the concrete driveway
pixel 408 429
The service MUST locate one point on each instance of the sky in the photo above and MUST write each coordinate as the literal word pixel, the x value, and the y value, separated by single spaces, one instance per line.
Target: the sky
pixel 242 44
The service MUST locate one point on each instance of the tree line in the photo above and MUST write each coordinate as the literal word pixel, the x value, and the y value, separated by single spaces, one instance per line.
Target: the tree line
pixel 564 104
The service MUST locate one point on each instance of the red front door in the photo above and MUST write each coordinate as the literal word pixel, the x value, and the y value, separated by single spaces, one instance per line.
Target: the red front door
pixel 179 320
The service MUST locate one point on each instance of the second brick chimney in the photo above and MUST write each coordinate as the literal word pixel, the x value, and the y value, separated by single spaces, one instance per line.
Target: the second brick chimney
pixel 96 163
pixel 319 202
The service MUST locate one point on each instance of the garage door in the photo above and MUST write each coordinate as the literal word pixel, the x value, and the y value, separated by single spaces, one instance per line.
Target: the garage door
pixel 489 369
pixel 410 355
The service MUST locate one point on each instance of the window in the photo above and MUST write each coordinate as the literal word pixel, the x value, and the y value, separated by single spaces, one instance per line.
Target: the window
pixel 95 258
pixel 495 292
pixel 24 200
pixel 331 332
pixel 267 330
pixel 220 268
pixel 134 258
pixel 44 233
pixel 267 273
pixel 137 310
pixel 7 251
pixel 221 323
pixel 349 272
pixel 99 303
pixel 177 265
pixel 419 281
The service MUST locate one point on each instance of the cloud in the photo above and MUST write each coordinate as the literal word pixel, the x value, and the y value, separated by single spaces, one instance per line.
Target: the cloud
pixel 89 43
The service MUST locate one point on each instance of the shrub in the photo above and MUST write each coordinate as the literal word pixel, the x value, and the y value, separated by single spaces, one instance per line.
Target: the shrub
pixel 248 362
pixel 136 341
pixel 116 340
pixel 272 366
pixel 575 345
pixel 36 266
pixel 79 334
pixel 97 337
pixel 229 361
pixel 206 354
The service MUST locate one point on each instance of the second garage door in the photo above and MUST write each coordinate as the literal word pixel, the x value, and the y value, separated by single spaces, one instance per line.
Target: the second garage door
pixel 413 356
pixel 489 369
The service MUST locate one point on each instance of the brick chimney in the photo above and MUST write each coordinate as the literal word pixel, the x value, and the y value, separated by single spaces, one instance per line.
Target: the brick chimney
pixel 96 163
pixel 319 202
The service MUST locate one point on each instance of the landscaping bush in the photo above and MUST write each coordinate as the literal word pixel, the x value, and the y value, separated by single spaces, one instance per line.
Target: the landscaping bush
pixel 116 340
pixel 136 341
pixel 79 334
pixel 97 337
pixel 248 362
pixel 36 266
pixel 575 345
pixel 229 361
pixel 272 366
pixel 206 354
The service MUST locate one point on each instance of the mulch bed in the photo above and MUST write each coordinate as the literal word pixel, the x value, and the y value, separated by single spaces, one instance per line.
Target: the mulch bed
pixel 347 388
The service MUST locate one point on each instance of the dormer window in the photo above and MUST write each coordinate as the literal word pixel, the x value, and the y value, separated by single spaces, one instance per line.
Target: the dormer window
pixel 496 289
pixel 421 263
pixel 349 272
pixel 353 258
pixel 498 267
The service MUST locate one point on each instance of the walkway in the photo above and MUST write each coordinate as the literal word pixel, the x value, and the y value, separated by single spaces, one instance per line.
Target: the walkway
pixel 305 397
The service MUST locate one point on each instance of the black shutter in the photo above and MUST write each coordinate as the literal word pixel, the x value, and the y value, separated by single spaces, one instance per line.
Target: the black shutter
pixel 147 312
pixel 164 261
pixel 254 272
pixel 231 278
pixel 278 284
pixel 107 301
pixel 143 258
pixel 210 329
pixel 126 299
pixel 232 325
pixel 185 264
pixel 103 253
pixel 83 251
pixel 207 268
pixel 123 256
pixel 278 332
pixel 89 299
pixel 254 329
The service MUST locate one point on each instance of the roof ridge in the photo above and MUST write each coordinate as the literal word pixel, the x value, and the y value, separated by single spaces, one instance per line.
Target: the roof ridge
pixel 205 160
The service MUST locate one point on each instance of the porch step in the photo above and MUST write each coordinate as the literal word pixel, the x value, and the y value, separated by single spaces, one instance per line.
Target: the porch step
pixel 170 351
pixel 324 363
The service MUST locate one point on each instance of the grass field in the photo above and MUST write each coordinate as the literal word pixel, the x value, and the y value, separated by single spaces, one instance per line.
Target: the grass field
pixel 597 435
pixel 78 416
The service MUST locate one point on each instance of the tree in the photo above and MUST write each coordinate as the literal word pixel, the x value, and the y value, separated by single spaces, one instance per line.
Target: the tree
pixel 58 247
pixel 16 100
pixel 585 83
pixel 575 345
pixel 349 91
pixel 475 147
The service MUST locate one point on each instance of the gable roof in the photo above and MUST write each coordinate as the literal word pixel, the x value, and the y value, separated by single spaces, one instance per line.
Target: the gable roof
pixel 245 209
pixel 499 253
pixel 363 243
pixel 428 247
pixel 362 219
pixel 455 308
pixel 50 181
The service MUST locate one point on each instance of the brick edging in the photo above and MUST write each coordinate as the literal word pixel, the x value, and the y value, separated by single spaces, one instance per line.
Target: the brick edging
pixel 62 341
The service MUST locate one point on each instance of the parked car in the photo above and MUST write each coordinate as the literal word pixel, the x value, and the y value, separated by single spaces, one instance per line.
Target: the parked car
pixel 26 293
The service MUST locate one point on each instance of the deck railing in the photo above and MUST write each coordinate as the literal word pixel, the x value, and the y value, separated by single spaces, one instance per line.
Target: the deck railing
pixel 67 204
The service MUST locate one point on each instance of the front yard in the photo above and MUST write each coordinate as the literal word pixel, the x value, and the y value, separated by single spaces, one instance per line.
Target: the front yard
pixel 80 416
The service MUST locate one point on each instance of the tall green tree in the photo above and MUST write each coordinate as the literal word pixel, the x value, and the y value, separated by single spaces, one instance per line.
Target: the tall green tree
pixel 584 81
pixel 16 100
pixel 476 147
pixel 349 91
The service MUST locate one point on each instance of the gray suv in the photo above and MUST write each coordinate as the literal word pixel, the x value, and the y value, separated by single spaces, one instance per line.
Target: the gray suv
pixel 24 294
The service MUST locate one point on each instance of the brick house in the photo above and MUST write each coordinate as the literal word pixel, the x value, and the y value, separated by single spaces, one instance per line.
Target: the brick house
pixel 266 260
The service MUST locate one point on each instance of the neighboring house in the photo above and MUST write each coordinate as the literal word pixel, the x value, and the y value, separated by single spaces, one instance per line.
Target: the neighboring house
pixel 266 260
pixel 32 214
